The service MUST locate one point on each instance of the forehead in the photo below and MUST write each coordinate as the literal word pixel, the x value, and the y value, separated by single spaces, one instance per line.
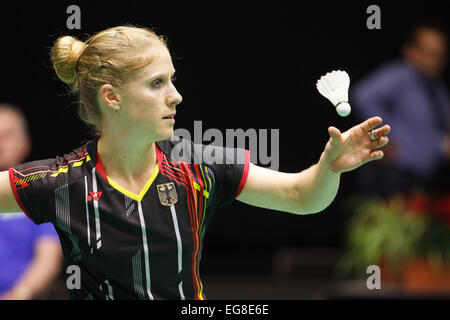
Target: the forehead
pixel 10 114
pixel 161 63
pixel 430 36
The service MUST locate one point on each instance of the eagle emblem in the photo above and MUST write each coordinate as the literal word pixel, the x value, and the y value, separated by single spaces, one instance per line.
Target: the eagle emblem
pixel 167 194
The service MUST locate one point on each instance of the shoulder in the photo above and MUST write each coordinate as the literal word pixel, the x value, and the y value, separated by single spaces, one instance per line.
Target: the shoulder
pixel 394 71
pixel 387 78
pixel 68 166
pixel 180 149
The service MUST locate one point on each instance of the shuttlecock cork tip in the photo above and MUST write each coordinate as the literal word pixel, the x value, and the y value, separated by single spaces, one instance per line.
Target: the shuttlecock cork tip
pixel 343 109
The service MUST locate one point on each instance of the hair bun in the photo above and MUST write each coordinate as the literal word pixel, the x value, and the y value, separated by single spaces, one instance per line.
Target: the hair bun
pixel 65 54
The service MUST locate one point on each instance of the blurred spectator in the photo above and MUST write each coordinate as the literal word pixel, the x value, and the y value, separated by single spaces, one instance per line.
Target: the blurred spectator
pixel 30 255
pixel 410 95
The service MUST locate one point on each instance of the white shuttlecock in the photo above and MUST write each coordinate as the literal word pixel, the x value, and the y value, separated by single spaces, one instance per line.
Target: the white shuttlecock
pixel 334 86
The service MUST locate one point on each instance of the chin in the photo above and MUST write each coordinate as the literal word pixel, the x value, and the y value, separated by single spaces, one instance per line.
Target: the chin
pixel 164 136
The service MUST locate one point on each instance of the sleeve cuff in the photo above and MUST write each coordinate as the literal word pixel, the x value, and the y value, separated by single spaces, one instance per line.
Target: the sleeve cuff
pixel 16 194
pixel 244 173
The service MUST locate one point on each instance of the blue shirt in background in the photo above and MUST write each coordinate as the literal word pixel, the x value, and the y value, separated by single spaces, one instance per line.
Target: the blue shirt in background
pixel 18 237
pixel 416 107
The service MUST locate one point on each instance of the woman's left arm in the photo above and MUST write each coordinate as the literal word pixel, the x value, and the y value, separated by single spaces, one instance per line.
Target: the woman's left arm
pixel 313 189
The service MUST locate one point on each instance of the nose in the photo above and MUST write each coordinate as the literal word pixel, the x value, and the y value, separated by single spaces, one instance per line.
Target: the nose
pixel 174 98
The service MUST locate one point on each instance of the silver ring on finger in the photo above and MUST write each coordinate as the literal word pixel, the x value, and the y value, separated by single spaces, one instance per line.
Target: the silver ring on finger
pixel 372 136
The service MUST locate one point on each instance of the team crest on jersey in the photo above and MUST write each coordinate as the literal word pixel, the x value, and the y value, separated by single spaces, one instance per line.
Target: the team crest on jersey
pixel 167 194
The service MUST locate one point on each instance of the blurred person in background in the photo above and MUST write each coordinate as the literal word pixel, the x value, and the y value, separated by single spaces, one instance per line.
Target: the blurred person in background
pixel 30 255
pixel 410 94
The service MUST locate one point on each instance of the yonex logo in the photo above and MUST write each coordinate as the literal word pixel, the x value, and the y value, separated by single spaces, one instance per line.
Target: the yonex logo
pixel 94 195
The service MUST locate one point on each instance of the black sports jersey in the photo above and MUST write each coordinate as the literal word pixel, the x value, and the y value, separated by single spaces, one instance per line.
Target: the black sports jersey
pixel 129 246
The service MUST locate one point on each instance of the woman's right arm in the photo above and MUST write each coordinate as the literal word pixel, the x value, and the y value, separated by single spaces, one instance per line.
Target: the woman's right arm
pixel 8 202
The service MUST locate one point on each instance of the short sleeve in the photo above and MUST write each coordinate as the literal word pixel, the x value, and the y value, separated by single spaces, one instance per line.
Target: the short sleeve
pixel 46 230
pixel 230 167
pixel 33 184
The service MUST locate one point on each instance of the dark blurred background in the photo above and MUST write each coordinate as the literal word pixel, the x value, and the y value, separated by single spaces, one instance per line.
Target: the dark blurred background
pixel 251 65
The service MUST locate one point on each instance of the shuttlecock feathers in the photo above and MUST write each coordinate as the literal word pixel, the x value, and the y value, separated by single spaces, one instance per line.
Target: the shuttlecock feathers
pixel 334 86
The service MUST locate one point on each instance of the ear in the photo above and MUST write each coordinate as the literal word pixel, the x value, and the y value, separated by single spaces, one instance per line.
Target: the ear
pixel 110 96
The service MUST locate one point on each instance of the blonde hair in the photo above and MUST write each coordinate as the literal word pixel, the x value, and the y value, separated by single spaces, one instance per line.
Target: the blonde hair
pixel 109 56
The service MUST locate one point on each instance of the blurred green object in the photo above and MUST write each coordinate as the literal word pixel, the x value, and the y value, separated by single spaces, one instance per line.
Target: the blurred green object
pixel 392 232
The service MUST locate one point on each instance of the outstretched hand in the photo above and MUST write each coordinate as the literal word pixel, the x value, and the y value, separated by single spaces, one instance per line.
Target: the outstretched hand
pixel 353 148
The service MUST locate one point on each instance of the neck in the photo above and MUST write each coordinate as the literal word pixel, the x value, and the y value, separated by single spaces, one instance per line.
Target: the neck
pixel 130 158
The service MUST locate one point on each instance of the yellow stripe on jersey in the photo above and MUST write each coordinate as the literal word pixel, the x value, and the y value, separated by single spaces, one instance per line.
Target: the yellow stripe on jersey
pixel 137 197
pixel 60 170
pixel 197 186
pixel 77 164
pixel 65 170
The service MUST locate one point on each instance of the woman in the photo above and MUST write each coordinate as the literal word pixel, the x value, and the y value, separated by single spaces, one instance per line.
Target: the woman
pixel 130 212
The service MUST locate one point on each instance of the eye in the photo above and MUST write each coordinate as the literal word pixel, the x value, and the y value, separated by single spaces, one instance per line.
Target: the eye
pixel 157 83
pixel 160 82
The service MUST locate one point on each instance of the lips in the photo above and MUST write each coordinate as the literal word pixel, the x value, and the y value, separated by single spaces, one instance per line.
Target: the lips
pixel 170 116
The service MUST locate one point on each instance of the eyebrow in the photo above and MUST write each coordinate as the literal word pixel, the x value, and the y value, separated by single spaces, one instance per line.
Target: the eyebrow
pixel 160 75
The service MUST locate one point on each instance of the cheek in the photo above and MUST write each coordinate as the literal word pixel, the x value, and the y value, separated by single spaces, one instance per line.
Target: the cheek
pixel 142 102
pixel 10 150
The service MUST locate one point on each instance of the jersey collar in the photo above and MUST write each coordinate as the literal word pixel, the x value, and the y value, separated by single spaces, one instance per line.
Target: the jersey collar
pixel 92 150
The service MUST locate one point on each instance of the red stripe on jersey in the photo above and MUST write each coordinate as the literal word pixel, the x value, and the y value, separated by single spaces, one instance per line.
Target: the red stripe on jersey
pixel 191 208
pixel 169 175
pixel 49 168
pixel 244 174
pixel 159 155
pixel 196 245
pixel 185 168
pixel 79 155
pixel 169 172
pixel 199 177
pixel 197 255
pixel 175 171
pixel 26 169
pixel 167 166
pixel 182 173
pixel 199 208
pixel 99 168
pixel 16 195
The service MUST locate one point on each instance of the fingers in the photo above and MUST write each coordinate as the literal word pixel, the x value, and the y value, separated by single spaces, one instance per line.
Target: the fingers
pixel 371 123
pixel 335 134
pixel 379 143
pixel 376 155
pixel 381 132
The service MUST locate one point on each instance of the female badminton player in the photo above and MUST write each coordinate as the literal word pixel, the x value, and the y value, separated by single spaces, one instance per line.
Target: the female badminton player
pixel 130 212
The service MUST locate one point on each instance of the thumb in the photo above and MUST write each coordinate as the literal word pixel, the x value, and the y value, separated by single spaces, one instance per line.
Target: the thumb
pixel 335 134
